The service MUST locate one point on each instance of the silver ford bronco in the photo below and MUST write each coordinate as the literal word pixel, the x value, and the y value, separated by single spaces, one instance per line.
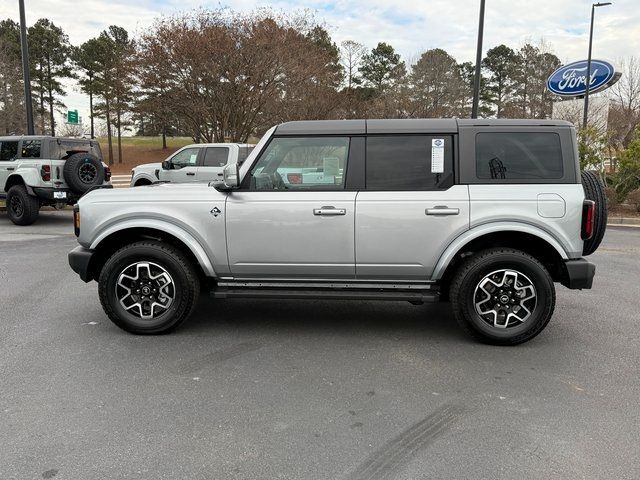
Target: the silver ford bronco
pixel 486 214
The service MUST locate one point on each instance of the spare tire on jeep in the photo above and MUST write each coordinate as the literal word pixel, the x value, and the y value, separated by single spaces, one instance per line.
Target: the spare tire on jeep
pixel 594 190
pixel 83 171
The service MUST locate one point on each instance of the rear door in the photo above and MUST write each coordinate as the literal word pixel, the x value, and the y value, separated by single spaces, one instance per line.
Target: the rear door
pixel 213 163
pixel 411 209
pixel 8 154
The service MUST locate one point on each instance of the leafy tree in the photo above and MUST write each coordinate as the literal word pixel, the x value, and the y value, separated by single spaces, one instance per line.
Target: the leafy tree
pixel 502 64
pixel 85 58
pixel 629 173
pixel 12 113
pixel 49 52
pixel 381 68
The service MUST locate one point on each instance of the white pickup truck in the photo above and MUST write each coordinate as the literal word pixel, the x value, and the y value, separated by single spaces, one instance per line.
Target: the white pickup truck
pixel 201 162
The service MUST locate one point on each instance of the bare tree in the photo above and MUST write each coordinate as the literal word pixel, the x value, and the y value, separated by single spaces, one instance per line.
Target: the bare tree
pixel 351 57
pixel 624 116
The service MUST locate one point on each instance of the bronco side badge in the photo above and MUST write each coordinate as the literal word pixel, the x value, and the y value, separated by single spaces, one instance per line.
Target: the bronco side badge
pixel 216 211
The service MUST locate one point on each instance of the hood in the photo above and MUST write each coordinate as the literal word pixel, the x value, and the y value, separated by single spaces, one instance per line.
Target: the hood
pixel 148 167
pixel 158 192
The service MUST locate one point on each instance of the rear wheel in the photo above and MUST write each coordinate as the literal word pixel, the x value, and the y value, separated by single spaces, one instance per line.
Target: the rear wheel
pixel 22 208
pixel 502 296
pixel 148 287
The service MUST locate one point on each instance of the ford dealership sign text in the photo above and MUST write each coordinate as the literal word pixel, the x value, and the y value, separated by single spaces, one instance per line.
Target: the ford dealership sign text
pixel 571 80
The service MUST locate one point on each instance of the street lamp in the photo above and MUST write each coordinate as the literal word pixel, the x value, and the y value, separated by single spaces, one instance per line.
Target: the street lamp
pixel 476 78
pixel 588 79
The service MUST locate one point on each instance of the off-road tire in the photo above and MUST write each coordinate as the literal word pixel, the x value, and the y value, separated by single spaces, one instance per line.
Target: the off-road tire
pixel 182 271
pixel 471 272
pixel 594 190
pixel 83 171
pixel 28 206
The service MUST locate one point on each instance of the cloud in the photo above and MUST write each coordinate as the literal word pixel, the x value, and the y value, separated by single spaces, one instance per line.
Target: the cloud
pixel 411 27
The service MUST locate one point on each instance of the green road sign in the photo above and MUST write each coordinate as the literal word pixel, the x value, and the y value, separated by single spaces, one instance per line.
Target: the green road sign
pixel 72 117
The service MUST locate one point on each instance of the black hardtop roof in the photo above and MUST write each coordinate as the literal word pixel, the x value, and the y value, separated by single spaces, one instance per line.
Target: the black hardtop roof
pixel 402 125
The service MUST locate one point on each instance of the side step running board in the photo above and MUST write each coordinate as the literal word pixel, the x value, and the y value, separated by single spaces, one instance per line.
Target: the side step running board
pixel 418 296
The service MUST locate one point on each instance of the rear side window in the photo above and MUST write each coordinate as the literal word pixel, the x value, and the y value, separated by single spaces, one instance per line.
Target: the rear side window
pixel 63 149
pixel 416 162
pixel 518 156
pixel 8 150
pixel 31 148
pixel 216 156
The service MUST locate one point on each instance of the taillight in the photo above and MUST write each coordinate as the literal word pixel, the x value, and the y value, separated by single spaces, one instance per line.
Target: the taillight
pixel 76 220
pixel 588 219
pixel 45 173
pixel 107 174
pixel 294 178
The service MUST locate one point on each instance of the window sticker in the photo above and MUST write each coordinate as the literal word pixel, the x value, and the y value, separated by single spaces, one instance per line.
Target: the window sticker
pixel 437 155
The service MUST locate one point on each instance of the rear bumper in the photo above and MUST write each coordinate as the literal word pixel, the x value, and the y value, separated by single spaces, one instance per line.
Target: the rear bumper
pixel 56 195
pixel 80 260
pixel 579 274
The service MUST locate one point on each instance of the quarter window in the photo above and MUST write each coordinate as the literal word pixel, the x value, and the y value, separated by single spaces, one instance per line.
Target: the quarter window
pixel 216 156
pixel 518 156
pixel 31 148
pixel 8 150
pixel 302 163
pixel 410 162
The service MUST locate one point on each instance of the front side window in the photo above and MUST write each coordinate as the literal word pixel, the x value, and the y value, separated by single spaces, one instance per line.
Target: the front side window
pixel 301 163
pixel 185 158
pixel 244 152
pixel 518 156
pixel 8 150
pixel 31 148
pixel 216 156
pixel 409 162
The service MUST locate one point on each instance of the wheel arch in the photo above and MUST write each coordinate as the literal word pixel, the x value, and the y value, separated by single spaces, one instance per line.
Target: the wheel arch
pixel 112 239
pixel 17 179
pixel 527 238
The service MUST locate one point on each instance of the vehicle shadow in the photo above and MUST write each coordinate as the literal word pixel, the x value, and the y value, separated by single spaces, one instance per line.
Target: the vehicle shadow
pixel 324 318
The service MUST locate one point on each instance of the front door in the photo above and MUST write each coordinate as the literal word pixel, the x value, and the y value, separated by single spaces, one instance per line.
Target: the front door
pixel 293 217
pixel 8 154
pixel 411 210
pixel 184 166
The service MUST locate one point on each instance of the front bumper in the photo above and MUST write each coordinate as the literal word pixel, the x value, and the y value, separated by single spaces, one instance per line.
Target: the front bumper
pixel 80 262
pixel 579 274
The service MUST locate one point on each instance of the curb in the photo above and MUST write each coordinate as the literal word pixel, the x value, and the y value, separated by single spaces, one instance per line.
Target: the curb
pixel 623 222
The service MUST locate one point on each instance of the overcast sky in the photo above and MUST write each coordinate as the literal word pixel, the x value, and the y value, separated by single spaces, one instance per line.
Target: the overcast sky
pixel 410 26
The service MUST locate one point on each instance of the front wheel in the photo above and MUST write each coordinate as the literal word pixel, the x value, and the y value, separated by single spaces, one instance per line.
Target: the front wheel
pixel 502 296
pixel 148 287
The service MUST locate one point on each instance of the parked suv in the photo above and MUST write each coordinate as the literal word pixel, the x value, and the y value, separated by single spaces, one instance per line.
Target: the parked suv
pixel 201 162
pixel 54 171
pixel 488 214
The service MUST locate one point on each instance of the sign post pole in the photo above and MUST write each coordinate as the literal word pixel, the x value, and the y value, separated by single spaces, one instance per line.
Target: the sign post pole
pixel 586 93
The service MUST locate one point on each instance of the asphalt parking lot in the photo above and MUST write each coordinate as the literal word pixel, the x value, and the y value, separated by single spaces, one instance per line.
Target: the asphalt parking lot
pixel 266 389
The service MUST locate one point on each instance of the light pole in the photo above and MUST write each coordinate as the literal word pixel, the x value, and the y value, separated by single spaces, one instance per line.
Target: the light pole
pixel 476 78
pixel 25 69
pixel 588 79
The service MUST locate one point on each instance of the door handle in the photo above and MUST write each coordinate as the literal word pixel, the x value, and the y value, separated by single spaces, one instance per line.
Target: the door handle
pixel 11 168
pixel 329 211
pixel 442 210
pixel 191 174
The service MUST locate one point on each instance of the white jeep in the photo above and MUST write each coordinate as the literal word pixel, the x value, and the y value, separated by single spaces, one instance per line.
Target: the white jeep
pixel 53 171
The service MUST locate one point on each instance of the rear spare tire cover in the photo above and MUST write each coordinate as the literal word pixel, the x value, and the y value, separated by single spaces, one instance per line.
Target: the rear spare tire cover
pixel 594 190
pixel 82 171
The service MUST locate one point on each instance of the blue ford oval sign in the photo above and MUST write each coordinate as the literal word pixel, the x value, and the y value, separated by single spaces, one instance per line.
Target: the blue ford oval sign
pixel 571 80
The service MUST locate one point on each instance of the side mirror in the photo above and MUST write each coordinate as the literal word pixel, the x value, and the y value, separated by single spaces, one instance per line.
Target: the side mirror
pixel 231 178
pixel 166 165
